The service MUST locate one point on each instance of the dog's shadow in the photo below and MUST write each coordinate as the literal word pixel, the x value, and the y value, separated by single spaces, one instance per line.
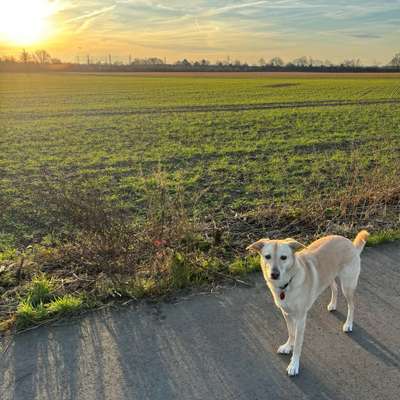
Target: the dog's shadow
pixel 371 343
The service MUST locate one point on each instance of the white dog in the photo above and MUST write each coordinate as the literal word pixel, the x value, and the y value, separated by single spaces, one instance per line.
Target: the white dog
pixel 296 279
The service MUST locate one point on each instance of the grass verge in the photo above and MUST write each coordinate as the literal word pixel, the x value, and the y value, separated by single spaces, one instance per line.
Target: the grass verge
pixel 96 253
pixel 383 237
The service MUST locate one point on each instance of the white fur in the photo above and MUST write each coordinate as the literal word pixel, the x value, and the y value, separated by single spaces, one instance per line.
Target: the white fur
pixel 309 272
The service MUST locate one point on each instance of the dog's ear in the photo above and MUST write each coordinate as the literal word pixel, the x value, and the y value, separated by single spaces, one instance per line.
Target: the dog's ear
pixel 257 246
pixel 294 244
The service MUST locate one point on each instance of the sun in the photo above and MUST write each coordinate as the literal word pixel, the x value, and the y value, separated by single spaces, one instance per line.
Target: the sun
pixel 24 22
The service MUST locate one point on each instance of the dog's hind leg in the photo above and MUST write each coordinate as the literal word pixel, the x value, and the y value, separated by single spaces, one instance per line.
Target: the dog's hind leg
pixel 349 294
pixel 333 302
pixel 287 347
pixel 348 279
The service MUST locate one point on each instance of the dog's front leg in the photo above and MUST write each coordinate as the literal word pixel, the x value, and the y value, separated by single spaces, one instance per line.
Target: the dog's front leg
pixel 287 347
pixel 300 324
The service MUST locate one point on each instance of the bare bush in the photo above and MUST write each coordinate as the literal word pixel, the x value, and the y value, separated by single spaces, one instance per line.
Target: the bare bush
pixel 364 199
pixel 98 236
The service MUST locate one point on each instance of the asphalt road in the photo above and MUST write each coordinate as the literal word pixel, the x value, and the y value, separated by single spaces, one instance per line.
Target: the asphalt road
pixel 217 346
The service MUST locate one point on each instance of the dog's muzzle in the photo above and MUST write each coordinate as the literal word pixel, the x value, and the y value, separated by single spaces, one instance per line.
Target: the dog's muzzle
pixel 275 274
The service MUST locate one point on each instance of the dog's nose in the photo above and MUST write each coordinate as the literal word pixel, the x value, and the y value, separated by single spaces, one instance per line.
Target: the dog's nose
pixel 275 274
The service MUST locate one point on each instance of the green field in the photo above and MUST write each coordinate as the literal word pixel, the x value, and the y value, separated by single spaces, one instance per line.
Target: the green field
pixel 205 133
pixel 224 158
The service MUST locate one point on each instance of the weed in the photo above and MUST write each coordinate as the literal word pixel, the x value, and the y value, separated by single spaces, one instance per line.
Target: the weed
pixel 8 279
pixel 40 303
pixel 28 314
pixel 64 305
pixel 40 290
pixel 382 237
pixel 242 266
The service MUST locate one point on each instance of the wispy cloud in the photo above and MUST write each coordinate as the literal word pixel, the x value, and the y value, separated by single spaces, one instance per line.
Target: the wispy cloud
pixel 365 35
pixel 92 14
pixel 233 7
pixel 246 29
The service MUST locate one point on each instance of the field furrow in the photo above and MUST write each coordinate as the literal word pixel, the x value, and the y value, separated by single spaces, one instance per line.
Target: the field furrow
pixel 243 143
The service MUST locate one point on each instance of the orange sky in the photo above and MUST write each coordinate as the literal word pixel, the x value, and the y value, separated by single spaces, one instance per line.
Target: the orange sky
pixel 245 30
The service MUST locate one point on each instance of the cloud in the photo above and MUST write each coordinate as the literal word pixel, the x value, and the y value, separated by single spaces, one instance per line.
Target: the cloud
pixel 365 35
pixel 233 7
pixel 86 19
pixel 92 14
pixel 242 28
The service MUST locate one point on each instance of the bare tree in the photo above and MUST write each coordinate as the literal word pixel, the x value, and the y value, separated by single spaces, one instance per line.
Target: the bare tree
pixel 8 60
pixel 301 61
pixel 352 63
pixel 155 61
pixel 261 62
pixel 314 62
pixel 277 62
pixel 42 56
pixel 395 61
pixel 184 63
pixel 24 57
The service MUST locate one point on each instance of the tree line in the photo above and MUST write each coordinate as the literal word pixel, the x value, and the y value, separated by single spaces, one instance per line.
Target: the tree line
pixel 40 60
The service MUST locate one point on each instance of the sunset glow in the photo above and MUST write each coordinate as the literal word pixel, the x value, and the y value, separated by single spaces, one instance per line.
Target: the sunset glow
pixel 24 22
pixel 245 30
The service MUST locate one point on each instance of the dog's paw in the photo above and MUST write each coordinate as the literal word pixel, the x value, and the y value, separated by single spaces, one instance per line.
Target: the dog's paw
pixel 285 348
pixel 293 368
pixel 348 327
pixel 331 307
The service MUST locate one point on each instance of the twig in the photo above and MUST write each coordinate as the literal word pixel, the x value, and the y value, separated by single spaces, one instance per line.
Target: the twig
pixel 83 279
pixel 129 301
pixel 48 321
pixel 233 279
pixel 221 274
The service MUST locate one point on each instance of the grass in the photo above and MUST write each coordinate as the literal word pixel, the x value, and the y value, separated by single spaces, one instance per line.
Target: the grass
pixel 116 187
pixel 65 305
pixel 27 314
pixel 383 237
pixel 39 291
pixel 41 303
pixel 243 266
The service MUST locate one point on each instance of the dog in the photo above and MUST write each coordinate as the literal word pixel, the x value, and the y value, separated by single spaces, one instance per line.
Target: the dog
pixel 296 278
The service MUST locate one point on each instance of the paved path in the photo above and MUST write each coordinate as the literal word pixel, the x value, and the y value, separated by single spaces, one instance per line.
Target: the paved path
pixel 217 346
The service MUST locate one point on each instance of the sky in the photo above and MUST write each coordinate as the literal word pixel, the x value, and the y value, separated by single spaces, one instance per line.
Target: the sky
pixel 214 29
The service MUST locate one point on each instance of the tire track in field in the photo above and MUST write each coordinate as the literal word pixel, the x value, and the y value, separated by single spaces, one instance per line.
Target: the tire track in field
pixel 245 107
pixel 213 108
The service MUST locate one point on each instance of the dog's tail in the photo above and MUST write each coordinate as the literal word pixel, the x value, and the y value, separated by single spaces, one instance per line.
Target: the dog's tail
pixel 360 240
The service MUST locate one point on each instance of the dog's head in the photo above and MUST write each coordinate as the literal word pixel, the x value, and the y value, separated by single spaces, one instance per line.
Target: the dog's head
pixel 277 256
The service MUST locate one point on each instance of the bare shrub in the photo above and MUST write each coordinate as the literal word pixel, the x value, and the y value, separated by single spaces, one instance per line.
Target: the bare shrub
pixel 364 199
pixel 100 237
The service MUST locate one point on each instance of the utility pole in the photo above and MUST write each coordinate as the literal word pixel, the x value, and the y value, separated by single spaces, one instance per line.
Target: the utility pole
pixel 88 59
pixel 109 59
pixel 130 59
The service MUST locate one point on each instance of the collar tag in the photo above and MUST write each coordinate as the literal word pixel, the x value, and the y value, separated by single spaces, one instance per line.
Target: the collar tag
pixel 282 295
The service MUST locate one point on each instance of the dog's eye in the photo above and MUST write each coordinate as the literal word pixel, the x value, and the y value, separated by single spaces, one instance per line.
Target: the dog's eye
pixel 268 256
pixel 283 257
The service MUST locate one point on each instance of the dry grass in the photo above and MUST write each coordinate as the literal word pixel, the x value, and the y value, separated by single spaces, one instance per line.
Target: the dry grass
pixel 364 200
pixel 104 253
